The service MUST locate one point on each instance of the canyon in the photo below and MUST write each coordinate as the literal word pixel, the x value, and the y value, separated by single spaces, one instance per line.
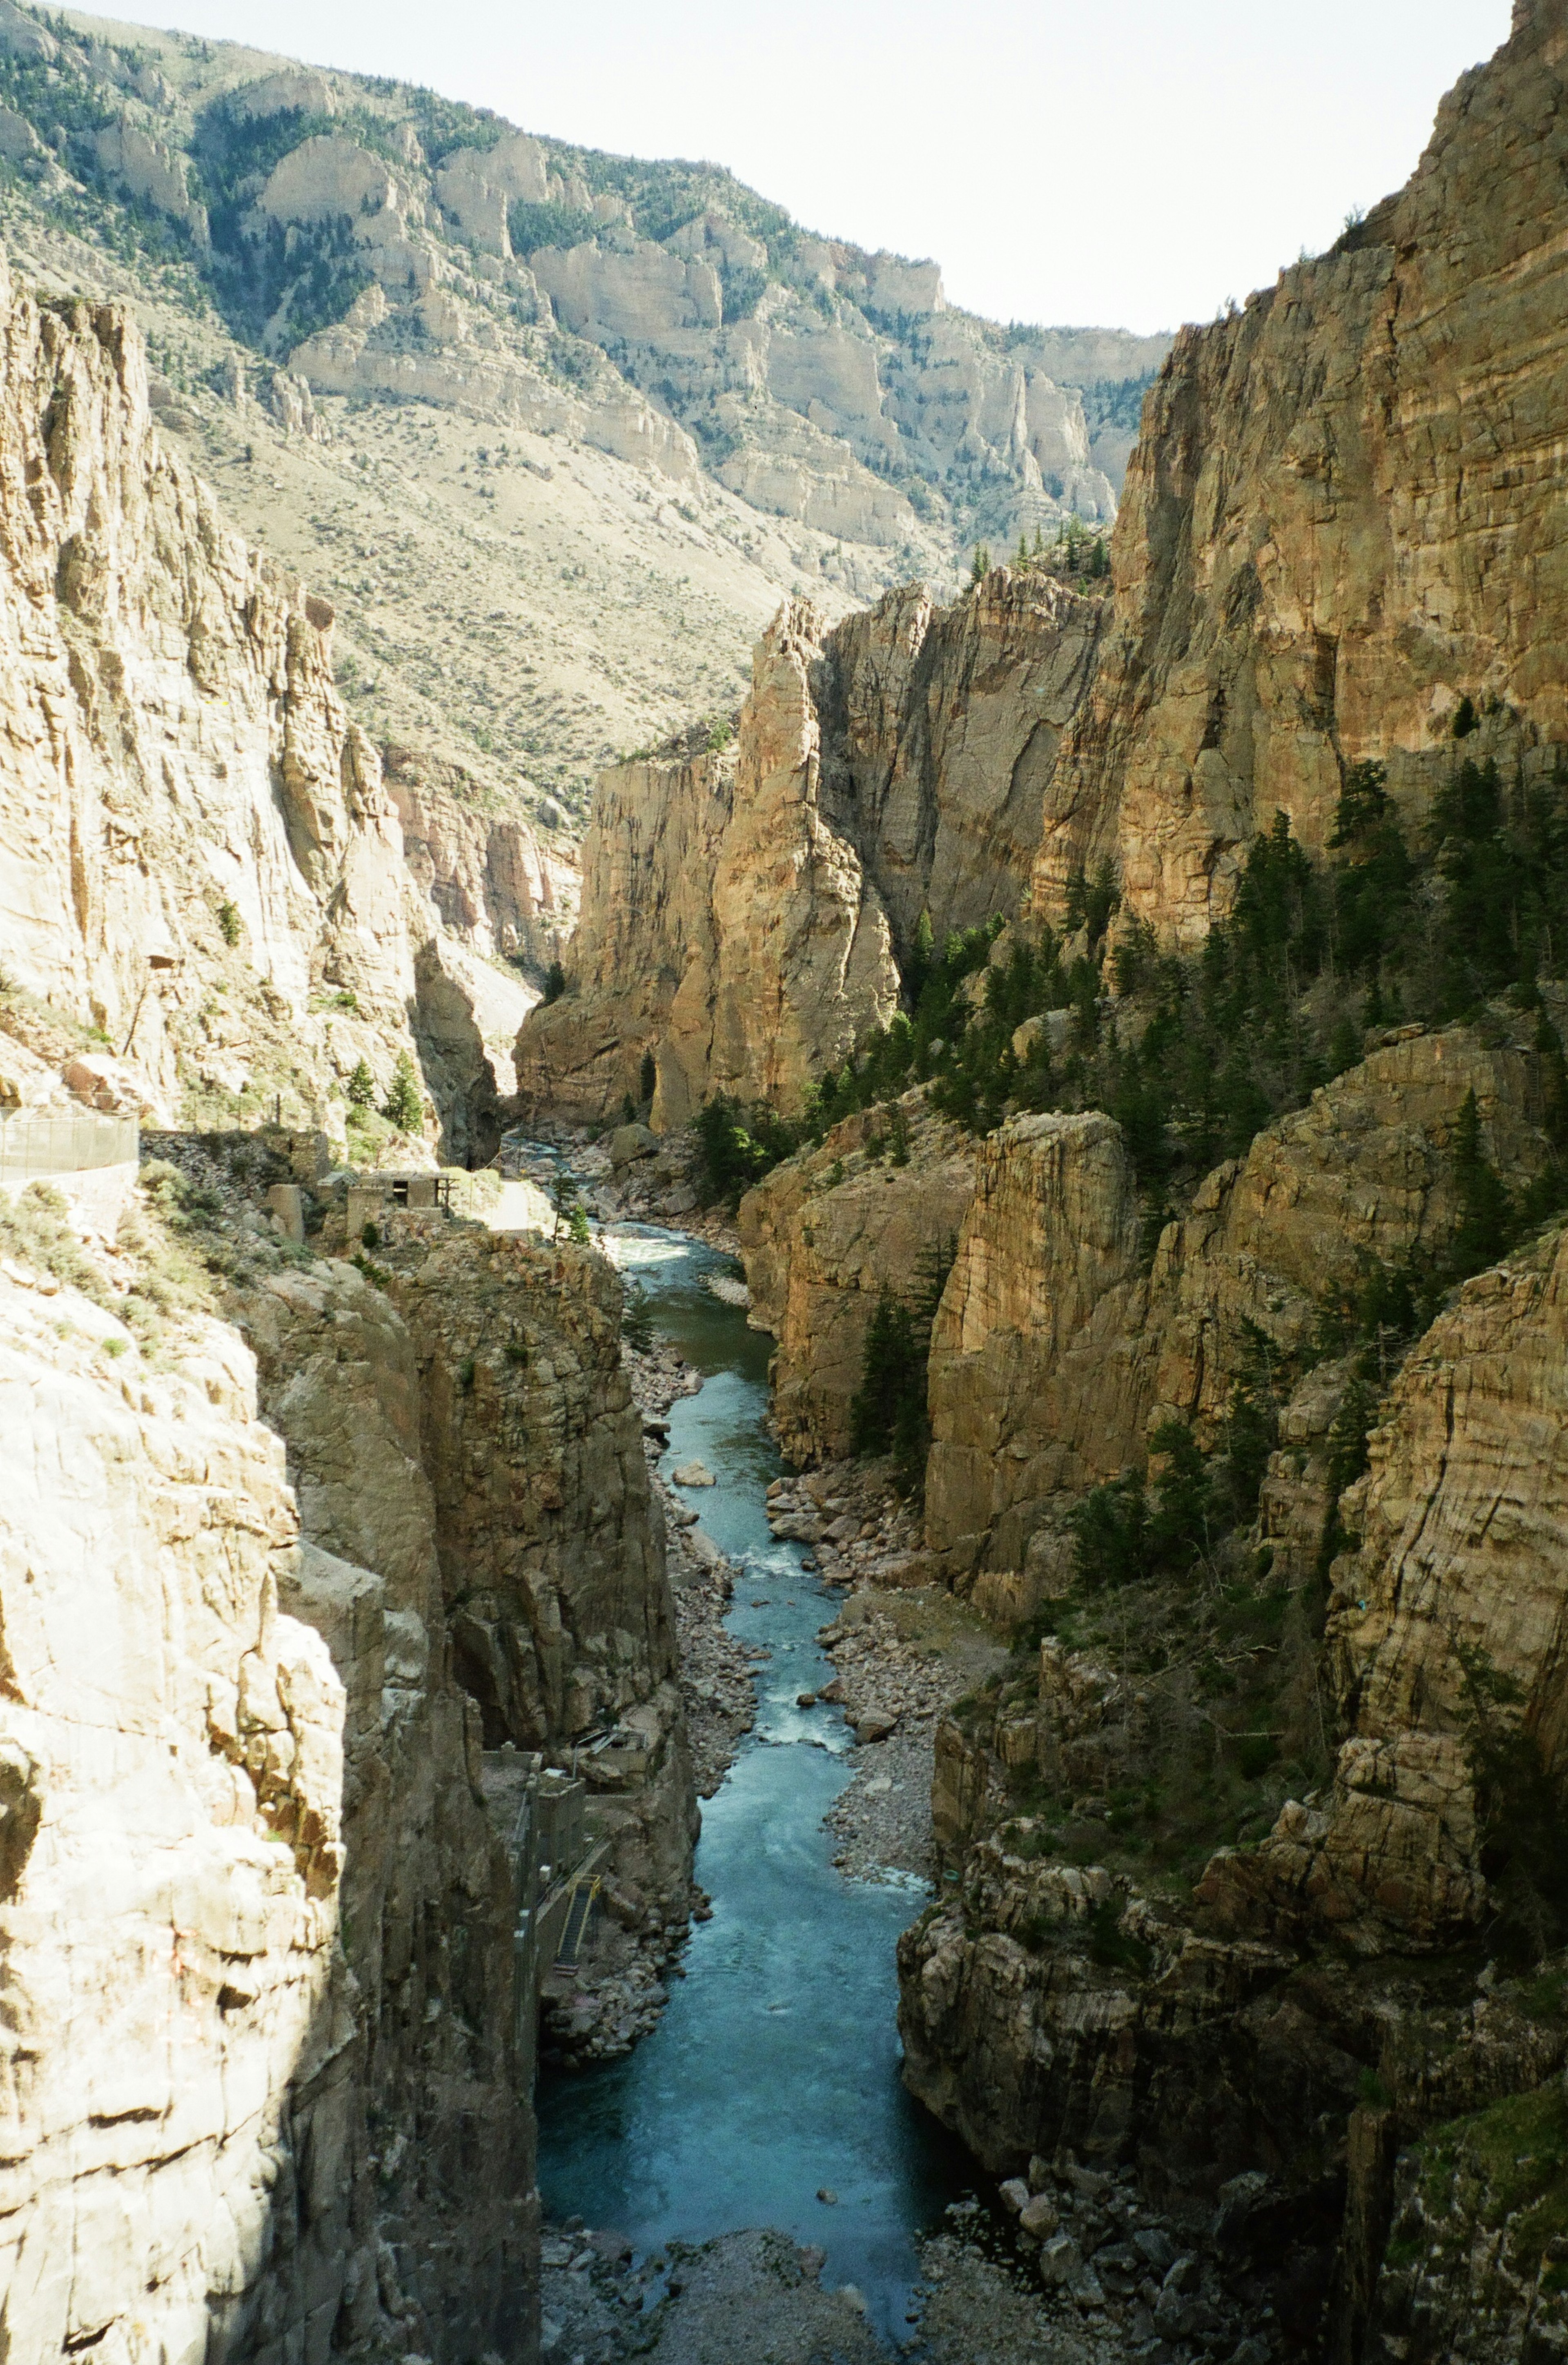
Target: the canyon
pixel 1113 1013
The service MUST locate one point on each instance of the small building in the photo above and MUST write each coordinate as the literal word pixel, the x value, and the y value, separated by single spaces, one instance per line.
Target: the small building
pixel 373 1196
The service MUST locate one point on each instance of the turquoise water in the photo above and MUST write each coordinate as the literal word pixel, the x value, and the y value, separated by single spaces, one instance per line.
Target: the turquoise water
pixel 775 2068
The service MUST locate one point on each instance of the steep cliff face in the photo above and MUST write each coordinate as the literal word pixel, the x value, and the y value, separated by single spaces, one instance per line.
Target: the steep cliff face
pixel 198 859
pixel 824 1236
pixel 743 919
pixel 1342 532
pixel 550 1543
pixel 728 925
pixel 499 887
pixel 1446 1633
pixel 1054 1352
pixel 211 1975
pixel 427 1905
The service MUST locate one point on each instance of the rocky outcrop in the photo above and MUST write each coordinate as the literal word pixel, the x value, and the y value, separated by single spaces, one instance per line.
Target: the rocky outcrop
pixel 940 729
pixel 201 862
pixel 551 1546
pixel 500 888
pixel 1446 1631
pixel 824 1235
pixel 1339 529
pixel 1054 1352
pixel 427 1904
pixel 644 956
pixel 1030 1394
pixel 728 924
pixel 743 918
pixel 191 1787
pixel 175 745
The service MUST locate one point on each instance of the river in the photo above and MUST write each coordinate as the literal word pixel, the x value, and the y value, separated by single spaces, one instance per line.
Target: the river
pixel 773 2072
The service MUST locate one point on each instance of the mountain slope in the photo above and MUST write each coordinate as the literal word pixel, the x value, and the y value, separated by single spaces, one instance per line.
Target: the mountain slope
pixel 553 430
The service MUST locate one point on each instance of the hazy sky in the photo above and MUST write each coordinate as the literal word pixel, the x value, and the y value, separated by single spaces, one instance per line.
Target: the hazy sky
pixel 1131 163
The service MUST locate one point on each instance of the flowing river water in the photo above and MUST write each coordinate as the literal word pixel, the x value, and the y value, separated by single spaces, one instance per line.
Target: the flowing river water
pixel 773 2072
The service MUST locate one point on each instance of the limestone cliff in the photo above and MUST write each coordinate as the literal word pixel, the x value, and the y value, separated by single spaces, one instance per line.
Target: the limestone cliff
pixel 225 1827
pixel 824 1235
pixel 1055 1352
pixel 550 1543
pixel 1341 536
pixel 743 918
pixel 201 865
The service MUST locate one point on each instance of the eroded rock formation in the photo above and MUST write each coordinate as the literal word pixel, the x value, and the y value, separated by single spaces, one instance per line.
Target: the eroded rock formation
pixel 199 858
pixel 824 1236
pixel 1341 534
pixel 1445 1629
pixel 743 918
pixel 240 1842
pixel 1061 1339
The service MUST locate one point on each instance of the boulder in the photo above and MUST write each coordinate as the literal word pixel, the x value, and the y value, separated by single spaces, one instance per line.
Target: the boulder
pixel 630 1142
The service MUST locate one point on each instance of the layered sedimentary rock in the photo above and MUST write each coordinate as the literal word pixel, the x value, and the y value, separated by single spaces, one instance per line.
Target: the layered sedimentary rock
pixel 198 858
pixel 824 1236
pixel 1446 1628
pixel 743 918
pixel 728 925
pixel 550 1545
pixel 1054 1352
pixel 215 1968
pixel 1342 529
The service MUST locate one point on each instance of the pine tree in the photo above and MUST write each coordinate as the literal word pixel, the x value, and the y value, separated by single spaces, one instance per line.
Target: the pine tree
pixel 563 1197
pixel 886 1364
pixel 1481 1235
pixel 922 960
pixel 404 1106
pixel 647 1079
pixel 361 1087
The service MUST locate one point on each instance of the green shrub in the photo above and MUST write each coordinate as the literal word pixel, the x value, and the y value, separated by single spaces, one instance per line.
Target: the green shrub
pixel 228 922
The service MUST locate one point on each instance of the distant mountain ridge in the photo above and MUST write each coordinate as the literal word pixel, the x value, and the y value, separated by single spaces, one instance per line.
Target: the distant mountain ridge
pixel 820 381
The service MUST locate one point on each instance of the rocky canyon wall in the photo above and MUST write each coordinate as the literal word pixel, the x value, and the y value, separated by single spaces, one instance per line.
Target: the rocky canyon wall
pixel 550 1542
pixel 743 916
pixel 1342 531
pixel 256 1932
pixel 1062 1341
pixel 201 870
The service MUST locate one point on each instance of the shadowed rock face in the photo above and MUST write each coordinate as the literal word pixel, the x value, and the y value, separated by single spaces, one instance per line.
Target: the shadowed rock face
pixel 819 1251
pixel 743 917
pixel 550 1543
pixel 1340 520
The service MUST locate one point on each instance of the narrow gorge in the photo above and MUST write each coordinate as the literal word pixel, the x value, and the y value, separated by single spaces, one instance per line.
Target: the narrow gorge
pixel 785 1579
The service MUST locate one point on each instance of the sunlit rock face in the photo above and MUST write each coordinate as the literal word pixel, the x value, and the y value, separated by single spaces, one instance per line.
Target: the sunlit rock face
pixel 745 912
pixel 1339 537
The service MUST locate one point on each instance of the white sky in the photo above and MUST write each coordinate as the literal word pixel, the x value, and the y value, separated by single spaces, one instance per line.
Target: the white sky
pixel 1127 163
